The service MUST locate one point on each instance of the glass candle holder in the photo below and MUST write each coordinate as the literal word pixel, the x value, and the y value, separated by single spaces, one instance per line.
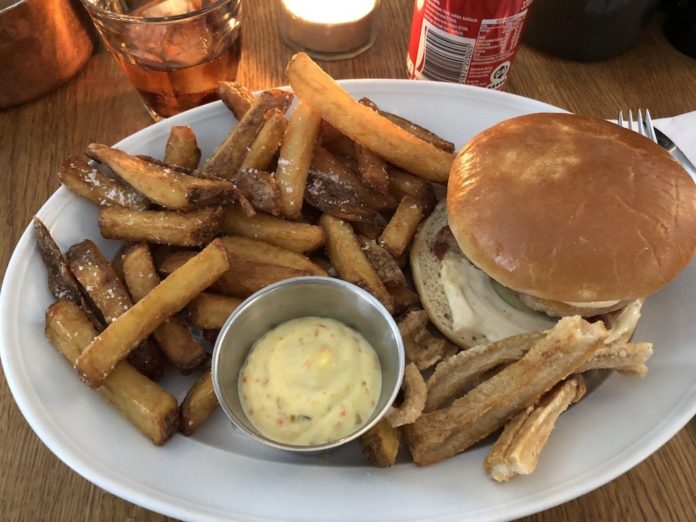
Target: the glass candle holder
pixel 329 30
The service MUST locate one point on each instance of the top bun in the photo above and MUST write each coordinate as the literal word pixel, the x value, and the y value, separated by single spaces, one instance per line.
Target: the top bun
pixel 571 208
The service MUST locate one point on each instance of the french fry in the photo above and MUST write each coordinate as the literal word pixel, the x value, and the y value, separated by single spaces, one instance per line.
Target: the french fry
pixel 267 141
pixel 209 311
pixel 245 250
pixel 142 402
pixel 324 161
pixel 404 184
pixel 369 230
pixel 390 273
pixel 229 155
pixel 61 281
pixel 199 403
pixel 404 299
pixel 166 299
pixel 173 336
pixel 350 261
pixel 342 146
pixel 419 131
pixel 175 260
pixel 298 237
pixel 160 226
pixel 211 335
pixel 384 263
pixel 328 133
pixel 236 98
pixel 295 156
pixel 364 125
pixel 110 297
pixel 248 278
pixel 380 444
pixel 333 196
pixel 182 148
pixel 372 168
pixel 443 433
pixel 244 279
pixel 165 165
pixel 87 182
pixel 399 232
pixel 261 189
pixel 162 185
pixel 517 450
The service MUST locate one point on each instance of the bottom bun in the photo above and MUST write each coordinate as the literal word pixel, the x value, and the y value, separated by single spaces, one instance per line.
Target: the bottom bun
pixel 425 268
pixel 483 310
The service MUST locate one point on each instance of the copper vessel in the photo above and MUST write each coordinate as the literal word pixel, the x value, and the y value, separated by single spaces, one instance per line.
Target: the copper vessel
pixel 43 43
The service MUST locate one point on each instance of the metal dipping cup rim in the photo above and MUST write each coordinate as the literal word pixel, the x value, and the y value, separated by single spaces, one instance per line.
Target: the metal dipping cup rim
pixel 236 415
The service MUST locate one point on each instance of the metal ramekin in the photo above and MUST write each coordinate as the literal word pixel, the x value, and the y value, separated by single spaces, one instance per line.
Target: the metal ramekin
pixel 292 299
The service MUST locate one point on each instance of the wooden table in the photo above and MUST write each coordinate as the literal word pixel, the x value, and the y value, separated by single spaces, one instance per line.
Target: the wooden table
pixel 99 105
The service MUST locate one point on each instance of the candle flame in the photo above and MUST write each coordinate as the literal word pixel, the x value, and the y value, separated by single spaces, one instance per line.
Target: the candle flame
pixel 330 11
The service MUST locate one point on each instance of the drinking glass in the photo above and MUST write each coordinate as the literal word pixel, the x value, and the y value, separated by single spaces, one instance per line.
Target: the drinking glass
pixel 174 52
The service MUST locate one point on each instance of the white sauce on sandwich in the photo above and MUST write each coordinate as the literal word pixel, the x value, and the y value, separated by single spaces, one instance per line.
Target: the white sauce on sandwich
pixel 625 323
pixel 477 309
pixel 590 304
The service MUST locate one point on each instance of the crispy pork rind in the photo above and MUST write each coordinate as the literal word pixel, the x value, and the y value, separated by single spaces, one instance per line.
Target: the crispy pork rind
pixel 517 450
pixel 415 392
pixel 422 347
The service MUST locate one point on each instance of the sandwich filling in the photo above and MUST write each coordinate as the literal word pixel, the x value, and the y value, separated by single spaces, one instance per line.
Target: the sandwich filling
pixel 485 311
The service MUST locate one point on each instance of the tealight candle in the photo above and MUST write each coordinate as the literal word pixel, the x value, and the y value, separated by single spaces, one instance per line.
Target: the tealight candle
pixel 329 29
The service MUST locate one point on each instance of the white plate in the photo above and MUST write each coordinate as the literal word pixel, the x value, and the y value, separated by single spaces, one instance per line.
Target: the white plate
pixel 220 474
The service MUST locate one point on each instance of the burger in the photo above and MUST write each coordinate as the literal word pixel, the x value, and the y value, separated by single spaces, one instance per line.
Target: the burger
pixel 549 215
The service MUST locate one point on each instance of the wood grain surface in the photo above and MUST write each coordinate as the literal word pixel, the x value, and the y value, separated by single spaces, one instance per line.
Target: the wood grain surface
pixel 99 105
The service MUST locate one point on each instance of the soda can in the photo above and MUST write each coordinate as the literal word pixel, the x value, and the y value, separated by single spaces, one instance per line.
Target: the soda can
pixel 465 41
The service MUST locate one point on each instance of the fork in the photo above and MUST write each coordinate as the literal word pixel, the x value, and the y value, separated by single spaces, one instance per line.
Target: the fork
pixel 644 127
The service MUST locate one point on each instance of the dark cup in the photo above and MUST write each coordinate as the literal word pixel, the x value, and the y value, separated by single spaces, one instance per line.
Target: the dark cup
pixel 587 30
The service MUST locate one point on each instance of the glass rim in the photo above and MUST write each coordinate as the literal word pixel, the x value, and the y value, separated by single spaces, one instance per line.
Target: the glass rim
pixel 90 6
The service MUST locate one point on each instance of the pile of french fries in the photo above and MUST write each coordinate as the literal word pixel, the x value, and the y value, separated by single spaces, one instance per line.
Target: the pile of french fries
pixel 337 188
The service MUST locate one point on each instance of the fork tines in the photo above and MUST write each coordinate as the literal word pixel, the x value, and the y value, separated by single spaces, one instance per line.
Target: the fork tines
pixel 643 126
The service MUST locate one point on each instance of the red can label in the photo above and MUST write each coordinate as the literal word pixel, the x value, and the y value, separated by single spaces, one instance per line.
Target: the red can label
pixel 465 41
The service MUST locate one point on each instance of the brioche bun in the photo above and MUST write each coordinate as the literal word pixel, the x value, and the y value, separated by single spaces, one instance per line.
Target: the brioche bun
pixel 425 269
pixel 571 208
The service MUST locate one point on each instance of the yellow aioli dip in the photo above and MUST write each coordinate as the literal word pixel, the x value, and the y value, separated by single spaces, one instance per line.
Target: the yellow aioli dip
pixel 310 381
